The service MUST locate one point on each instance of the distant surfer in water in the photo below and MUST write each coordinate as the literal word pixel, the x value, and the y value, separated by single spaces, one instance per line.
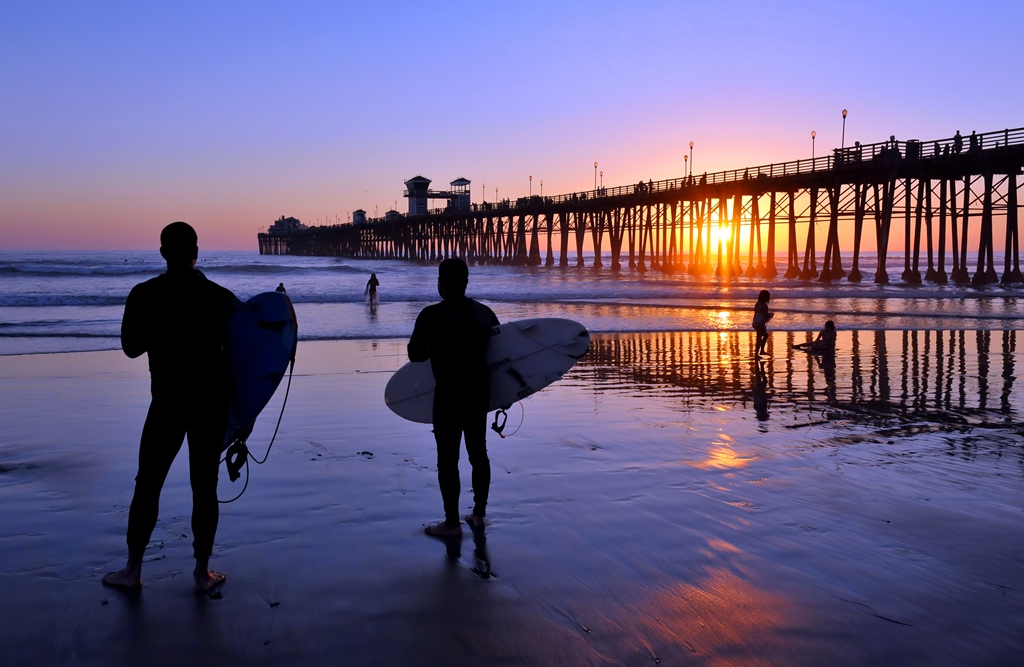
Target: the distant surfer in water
pixel 179 319
pixel 371 287
pixel 760 321
pixel 453 335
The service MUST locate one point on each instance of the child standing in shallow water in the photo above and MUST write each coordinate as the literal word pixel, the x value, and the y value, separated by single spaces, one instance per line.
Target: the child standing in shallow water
pixel 760 323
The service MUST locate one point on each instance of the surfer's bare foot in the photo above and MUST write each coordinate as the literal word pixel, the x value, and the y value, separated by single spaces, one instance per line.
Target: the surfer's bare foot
pixel 207 580
pixel 129 578
pixel 444 529
pixel 475 521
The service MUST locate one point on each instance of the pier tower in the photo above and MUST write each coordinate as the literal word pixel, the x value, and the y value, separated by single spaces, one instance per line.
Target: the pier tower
pixel 417 190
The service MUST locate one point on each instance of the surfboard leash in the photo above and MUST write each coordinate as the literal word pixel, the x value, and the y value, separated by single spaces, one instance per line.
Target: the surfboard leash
pixel 238 454
pixel 503 415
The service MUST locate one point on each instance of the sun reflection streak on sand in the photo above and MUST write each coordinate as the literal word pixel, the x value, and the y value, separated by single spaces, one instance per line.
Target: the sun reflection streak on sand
pixel 721 617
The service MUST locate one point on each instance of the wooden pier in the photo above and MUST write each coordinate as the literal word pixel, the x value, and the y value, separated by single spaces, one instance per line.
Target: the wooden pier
pixel 726 223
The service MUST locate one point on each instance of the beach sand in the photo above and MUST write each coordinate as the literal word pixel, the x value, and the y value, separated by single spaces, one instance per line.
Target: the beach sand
pixel 668 501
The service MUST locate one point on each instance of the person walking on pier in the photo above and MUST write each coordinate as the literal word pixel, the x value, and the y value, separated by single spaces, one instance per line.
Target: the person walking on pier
pixel 179 319
pixel 958 142
pixel 760 321
pixel 453 336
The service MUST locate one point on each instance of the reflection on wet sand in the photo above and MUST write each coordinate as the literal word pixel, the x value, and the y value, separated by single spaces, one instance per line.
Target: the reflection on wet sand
pixel 719 617
pixel 881 377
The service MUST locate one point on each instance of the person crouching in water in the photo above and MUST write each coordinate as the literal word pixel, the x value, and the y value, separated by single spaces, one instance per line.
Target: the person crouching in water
pixel 760 322
pixel 453 335
pixel 179 319
pixel 825 342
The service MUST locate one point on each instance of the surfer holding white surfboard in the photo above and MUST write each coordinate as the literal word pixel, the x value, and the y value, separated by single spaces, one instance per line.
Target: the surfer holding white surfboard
pixel 453 336
pixel 180 320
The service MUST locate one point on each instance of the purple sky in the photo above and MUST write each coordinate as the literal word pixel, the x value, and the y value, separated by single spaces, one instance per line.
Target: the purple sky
pixel 121 117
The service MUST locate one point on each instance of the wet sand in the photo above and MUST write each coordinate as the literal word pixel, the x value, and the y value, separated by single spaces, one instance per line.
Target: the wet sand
pixel 670 500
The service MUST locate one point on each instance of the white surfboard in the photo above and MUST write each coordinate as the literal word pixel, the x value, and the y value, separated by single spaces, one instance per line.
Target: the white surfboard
pixel 522 358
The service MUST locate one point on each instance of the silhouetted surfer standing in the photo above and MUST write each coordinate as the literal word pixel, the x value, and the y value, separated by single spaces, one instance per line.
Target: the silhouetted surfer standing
pixel 453 335
pixel 179 319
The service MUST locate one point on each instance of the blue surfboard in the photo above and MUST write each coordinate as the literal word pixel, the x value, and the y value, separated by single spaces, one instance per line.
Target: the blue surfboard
pixel 262 337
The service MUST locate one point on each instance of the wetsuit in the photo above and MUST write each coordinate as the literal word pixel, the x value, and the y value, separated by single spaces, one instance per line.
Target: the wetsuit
pixel 453 335
pixel 179 319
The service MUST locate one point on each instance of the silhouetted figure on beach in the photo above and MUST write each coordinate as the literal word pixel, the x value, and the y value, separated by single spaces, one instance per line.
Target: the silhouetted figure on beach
pixel 958 143
pixel 371 287
pixel 453 335
pixel 281 289
pixel 760 321
pixel 179 319
pixel 825 342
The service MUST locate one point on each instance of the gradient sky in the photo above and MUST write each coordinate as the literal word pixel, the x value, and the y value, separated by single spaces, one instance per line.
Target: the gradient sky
pixel 119 117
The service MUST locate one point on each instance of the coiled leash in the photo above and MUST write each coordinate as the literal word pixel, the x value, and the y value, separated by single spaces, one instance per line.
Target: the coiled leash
pixel 238 454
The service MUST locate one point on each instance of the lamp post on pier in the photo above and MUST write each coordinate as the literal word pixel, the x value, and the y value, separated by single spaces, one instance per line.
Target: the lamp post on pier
pixel 686 161
pixel 602 180
pixel 531 185
pixel 813 134
pixel 483 192
pixel 842 143
pixel 691 158
pixel 542 189
pixel 595 175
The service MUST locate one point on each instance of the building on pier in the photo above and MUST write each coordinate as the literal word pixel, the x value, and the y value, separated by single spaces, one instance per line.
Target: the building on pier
pixel 417 190
pixel 284 226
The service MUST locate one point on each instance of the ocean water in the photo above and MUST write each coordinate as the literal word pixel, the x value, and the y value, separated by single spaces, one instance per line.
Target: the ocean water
pixel 73 301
